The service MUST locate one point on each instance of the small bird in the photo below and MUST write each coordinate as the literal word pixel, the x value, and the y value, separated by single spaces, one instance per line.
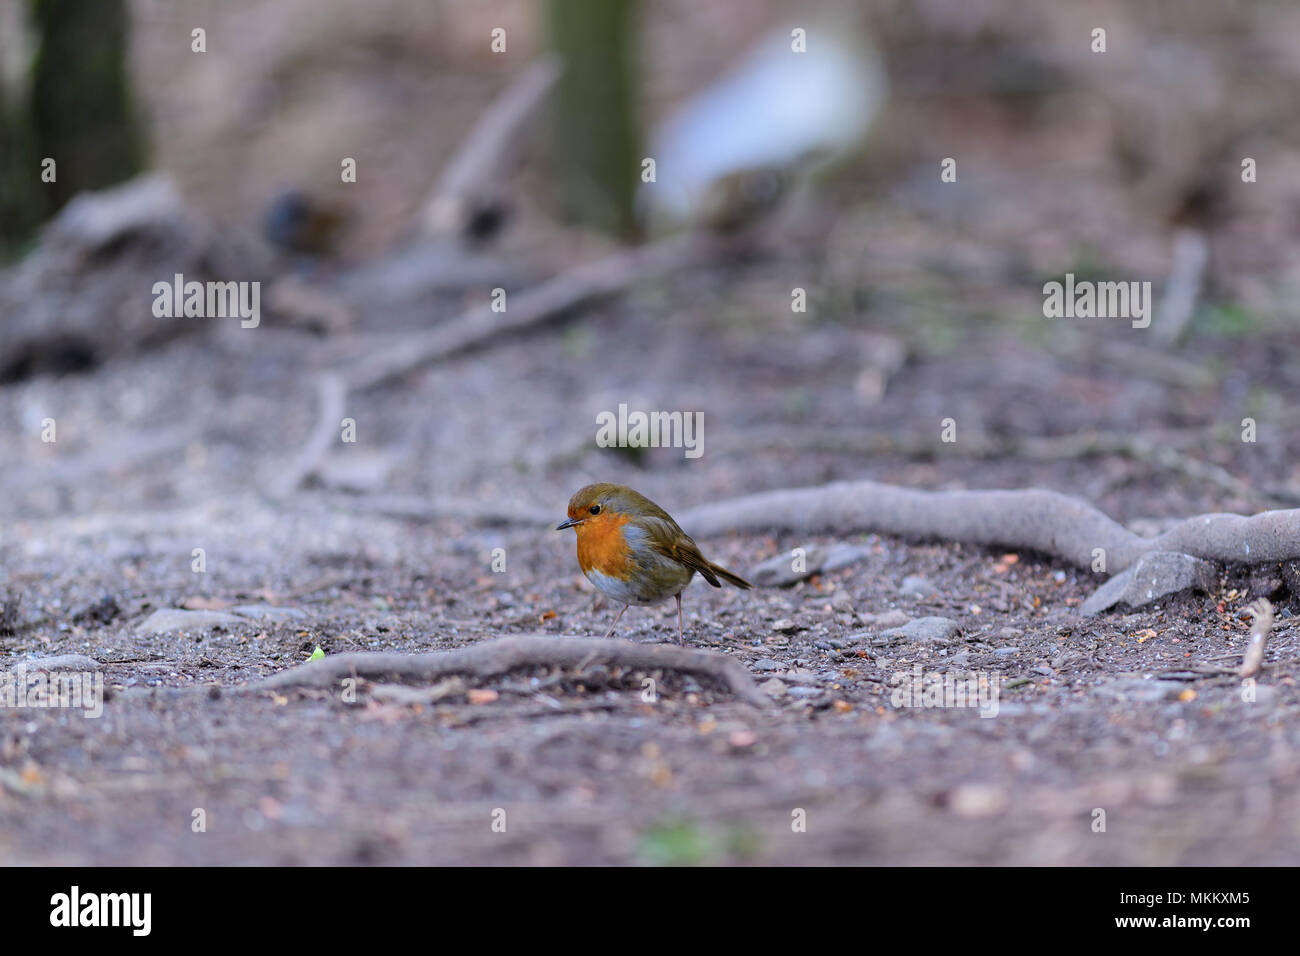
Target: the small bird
pixel 633 550
pixel 299 222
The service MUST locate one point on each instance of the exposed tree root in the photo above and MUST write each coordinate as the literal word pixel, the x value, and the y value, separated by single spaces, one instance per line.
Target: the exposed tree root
pixel 1032 518
pixel 503 655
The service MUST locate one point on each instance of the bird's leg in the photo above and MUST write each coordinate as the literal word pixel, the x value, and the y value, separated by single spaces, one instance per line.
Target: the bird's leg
pixel 616 617
pixel 680 640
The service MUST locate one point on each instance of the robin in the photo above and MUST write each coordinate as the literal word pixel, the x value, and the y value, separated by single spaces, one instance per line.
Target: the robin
pixel 633 550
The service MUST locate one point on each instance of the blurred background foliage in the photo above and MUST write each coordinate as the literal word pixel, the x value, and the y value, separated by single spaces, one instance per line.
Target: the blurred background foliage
pixel 1067 159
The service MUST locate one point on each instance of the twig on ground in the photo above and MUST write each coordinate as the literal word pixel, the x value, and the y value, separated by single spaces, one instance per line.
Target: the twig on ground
pixel 330 398
pixel 1260 629
pixel 503 655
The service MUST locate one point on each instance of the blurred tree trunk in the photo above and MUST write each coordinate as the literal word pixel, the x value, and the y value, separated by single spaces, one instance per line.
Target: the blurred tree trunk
pixel 21 205
pixel 594 141
pixel 79 113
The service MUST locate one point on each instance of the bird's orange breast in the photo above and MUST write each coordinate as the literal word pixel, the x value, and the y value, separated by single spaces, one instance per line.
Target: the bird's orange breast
pixel 603 546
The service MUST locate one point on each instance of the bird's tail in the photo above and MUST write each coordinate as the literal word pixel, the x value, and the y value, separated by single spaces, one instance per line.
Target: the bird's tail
pixel 730 578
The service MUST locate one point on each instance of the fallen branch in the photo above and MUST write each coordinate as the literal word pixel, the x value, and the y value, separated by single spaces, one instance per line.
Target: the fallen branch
pixel 474 178
pixel 331 396
pixel 503 655
pixel 1260 629
pixel 544 302
pixel 1032 518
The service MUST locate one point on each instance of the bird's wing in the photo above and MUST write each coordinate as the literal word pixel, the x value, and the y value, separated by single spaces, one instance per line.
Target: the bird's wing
pixel 672 542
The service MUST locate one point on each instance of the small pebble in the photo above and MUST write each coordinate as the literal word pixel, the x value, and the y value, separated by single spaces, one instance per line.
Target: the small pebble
pixel 916 585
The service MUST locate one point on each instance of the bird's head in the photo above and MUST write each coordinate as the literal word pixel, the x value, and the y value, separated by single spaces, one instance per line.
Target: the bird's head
pixel 591 504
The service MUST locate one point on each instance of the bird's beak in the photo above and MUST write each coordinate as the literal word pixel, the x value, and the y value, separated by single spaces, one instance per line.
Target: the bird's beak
pixel 568 523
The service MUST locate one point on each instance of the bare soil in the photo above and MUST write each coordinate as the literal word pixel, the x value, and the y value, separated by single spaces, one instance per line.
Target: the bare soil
pixel 99 533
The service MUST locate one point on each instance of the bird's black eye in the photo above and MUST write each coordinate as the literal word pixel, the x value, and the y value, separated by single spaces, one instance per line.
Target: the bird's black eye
pixel 595 509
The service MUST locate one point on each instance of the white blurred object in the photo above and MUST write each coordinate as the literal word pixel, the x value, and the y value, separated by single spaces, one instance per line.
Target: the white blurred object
pixel 777 112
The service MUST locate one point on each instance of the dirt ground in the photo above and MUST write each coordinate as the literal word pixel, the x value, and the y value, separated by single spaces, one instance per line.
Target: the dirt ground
pixel 1104 713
